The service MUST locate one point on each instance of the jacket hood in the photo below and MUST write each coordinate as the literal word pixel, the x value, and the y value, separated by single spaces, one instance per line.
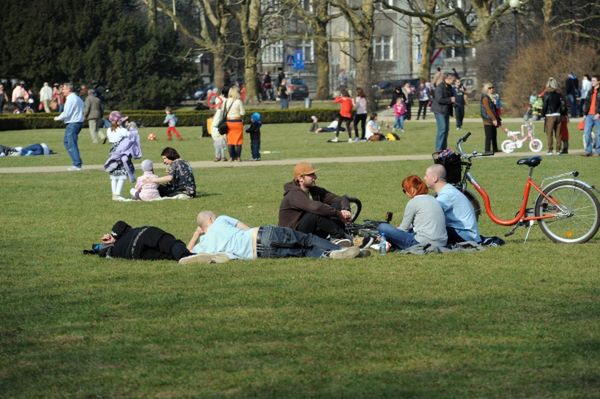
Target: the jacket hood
pixel 290 186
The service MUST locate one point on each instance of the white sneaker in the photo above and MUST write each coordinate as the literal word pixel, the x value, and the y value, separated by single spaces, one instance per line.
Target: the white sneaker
pixel 549 153
pixel 345 253
pixel 204 258
pixel 342 242
pixel 118 198
pixel 334 140
pixel 350 141
pixel 356 139
pixel 73 168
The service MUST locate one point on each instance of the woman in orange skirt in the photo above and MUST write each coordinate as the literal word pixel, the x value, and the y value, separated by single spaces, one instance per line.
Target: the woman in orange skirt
pixel 234 109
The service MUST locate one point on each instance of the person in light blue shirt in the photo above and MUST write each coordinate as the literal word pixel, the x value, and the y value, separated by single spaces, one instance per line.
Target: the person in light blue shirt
pixel 226 235
pixel 72 116
pixel 461 222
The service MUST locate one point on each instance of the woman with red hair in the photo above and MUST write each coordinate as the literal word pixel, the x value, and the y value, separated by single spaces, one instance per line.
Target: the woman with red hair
pixel 423 222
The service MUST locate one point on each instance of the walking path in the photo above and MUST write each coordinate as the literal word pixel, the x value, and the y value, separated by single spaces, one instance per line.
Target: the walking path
pixel 290 161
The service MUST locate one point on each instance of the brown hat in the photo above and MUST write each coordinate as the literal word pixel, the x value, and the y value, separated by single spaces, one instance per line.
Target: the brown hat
pixel 303 169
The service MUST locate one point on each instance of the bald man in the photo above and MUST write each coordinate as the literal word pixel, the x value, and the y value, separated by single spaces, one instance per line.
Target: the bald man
pixel 224 234
pixel 461 222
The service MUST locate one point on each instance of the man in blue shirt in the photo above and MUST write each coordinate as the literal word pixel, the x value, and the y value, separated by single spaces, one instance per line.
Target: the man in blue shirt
pixel 72 116
pixel 224 234
pixel 461 222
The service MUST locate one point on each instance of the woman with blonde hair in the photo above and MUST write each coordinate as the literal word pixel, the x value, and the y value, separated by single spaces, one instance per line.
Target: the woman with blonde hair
pixel 423 222
pixel 491 118
pixel 233 109
pixel 551 111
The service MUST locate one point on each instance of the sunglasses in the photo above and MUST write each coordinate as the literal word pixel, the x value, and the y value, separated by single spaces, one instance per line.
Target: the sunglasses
pixel 491 88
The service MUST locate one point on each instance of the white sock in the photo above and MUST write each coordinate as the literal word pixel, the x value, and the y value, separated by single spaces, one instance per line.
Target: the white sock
pixel 113 185
pixel 120 183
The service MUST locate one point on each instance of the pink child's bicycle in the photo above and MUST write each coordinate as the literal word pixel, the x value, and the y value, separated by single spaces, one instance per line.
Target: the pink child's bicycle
pixel 518 138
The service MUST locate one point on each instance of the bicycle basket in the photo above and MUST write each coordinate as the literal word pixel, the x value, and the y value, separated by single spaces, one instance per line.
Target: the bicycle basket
pixel 452 162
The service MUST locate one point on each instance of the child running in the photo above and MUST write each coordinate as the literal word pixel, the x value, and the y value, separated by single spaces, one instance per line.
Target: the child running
pixel 171 120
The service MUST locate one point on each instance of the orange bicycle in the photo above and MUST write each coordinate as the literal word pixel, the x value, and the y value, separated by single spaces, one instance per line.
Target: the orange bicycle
pixel 567 209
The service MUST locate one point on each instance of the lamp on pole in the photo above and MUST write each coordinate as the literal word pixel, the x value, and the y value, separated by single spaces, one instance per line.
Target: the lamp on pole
pixel 514 6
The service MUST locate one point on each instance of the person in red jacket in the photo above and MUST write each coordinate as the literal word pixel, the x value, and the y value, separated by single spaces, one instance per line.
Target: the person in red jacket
pixel 345 115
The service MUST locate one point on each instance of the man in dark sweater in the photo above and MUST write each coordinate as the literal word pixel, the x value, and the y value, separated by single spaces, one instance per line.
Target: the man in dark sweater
pixel 311 209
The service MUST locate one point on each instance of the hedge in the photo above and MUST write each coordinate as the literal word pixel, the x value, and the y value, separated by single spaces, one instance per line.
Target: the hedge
pixel 151 118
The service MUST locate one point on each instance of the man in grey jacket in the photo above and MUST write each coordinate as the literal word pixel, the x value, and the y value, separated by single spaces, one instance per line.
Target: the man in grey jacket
pixel 94 113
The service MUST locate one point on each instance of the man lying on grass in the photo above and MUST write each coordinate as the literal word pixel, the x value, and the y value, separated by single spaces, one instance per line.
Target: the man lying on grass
pixel 224 234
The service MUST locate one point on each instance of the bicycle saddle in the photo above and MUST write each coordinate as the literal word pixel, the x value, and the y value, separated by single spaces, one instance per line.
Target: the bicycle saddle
pixel 531 162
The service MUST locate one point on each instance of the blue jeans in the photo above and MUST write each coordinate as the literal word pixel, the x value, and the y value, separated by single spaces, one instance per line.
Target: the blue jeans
pixel 399 122
pixel 283 242
pixel 573 105
pixel 443 124
pixel 71 136
pixel 398 238
pixel 284 103
pixel 591 124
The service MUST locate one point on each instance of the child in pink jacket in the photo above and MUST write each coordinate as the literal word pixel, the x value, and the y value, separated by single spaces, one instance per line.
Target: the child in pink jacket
pixel 145 190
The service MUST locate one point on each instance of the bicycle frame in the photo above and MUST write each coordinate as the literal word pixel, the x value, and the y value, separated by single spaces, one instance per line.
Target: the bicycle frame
pixel 522 214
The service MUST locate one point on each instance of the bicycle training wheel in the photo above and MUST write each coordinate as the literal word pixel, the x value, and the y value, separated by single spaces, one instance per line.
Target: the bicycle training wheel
pixel 536 145
pixel 575 210
pixel 508 146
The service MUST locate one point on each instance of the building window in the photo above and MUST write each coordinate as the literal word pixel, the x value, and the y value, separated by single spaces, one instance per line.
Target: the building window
pixel 458 49
pixel 382 48
pixel 308 51
pixel 272 53
pixel 306 5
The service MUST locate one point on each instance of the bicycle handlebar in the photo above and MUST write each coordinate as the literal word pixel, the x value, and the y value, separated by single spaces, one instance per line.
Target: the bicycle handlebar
pixel 462 140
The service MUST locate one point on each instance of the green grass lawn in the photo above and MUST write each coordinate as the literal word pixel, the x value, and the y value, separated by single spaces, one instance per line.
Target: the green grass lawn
pixel 516 321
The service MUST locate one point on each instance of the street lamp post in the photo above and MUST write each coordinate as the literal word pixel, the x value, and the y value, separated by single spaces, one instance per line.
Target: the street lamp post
pixel 514 6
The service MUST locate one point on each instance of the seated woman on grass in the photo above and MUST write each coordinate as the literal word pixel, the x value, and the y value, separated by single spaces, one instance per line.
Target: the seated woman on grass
pixel 179 182
pixel 423 222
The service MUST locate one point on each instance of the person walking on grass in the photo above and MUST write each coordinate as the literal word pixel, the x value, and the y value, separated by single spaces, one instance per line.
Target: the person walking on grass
pixel 171 121
pixel 591 111
pixel 490 117
pixel 345 114
pixel 72 116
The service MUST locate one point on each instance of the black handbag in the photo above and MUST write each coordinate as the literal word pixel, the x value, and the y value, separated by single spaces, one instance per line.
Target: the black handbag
pixel 222 126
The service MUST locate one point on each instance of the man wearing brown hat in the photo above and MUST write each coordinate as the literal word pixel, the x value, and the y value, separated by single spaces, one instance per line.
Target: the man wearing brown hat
pixel 311 209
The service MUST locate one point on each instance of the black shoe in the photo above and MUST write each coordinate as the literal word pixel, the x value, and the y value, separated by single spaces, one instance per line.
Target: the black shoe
pixel 104 141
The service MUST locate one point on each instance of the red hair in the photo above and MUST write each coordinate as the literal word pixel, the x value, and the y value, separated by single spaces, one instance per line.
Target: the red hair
pixel 413 185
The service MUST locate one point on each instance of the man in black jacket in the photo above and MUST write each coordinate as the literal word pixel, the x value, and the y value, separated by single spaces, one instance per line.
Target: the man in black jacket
pixel 441 106
pixel 591 114
pixel 146 242
pixel 311 209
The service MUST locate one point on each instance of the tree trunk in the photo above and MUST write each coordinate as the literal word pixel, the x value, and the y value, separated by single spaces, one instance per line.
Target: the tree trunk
pixel 152 14
pixel 218 72
pixel 426 53
pixel 322 55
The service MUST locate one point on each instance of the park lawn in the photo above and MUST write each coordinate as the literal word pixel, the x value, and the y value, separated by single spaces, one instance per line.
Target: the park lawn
pixel 514 321
pixel 279 141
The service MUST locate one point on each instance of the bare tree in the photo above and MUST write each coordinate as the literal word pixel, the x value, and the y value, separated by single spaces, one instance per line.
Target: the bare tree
pixel 317 22
pixel 211 34
pixel 361 19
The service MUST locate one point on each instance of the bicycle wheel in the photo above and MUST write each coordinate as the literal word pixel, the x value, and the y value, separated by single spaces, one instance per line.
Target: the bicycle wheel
pixel 476 206
pixel 355 207
pixel 575 210
pixel 508 146
pixel 536 145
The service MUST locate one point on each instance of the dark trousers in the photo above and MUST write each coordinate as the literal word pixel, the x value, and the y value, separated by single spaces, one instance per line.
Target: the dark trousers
pixel 422 107
pixel 459 114
pixel 321 226
pixel 491 141
pixel 167 247
pixel 235 151
pixel 339 125
pixel 283 242
pixel 362 118
pixel 255 146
